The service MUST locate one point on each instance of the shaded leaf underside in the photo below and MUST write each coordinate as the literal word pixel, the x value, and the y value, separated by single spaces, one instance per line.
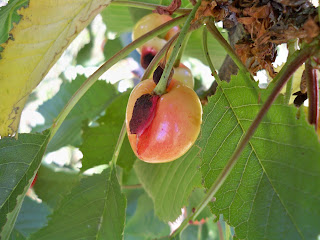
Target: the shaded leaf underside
pixel 89 106
pixel 95 209
pixel 19 161
pixel 170 184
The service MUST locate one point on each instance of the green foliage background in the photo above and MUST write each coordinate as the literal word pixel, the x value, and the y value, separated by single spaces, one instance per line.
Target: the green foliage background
pixel 272 193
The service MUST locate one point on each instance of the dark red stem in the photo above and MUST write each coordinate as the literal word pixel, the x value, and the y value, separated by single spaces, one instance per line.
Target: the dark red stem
pixel 313 94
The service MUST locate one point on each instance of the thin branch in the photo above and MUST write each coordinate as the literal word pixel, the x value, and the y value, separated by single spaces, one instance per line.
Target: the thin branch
pixel 183 47
pixel 113 60
pixel 119 144
pixel 157 58
pixel 220 231
pixel 292 47
pixel 162 85
pixel 206 53
pixel 313 94
pixel 148 6
pixel 217 35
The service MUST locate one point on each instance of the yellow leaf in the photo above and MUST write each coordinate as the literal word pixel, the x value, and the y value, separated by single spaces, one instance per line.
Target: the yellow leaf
pixel 43 33
pixel 295 82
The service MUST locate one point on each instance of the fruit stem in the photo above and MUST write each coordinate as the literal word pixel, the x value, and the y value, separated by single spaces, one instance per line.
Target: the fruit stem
pixel 117 149
pixel 183 47
pixel 154 63
pixel 313 94
pixel 220 230
pixel 113 60
pixel 217 35
pixel 206 53
pixel 160 89
pixel 148 6
pixel 292 47
pixel 293 63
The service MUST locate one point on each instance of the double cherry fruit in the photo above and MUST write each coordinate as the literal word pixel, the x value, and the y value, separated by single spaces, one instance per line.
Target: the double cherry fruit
pixel 162 128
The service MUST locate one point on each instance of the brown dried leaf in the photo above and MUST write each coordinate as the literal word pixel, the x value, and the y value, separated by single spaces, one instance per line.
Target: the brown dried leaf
pixel 169 10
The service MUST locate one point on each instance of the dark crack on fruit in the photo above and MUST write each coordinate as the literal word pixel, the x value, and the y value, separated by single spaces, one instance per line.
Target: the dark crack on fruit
pixel 158 73
pixel 143 113
pixel 146 56
pixel 300 98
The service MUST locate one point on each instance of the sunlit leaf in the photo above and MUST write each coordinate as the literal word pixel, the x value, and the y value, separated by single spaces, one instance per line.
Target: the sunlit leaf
pixel 43 33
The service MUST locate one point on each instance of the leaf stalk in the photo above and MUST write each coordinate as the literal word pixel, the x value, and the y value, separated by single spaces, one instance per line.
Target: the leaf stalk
pixel 206 53
pixel 217 35
pixel 313 94
pixel 148 6
pixel 160 89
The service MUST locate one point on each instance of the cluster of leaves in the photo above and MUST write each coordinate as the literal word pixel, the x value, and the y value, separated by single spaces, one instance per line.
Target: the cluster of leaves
pixel 271 193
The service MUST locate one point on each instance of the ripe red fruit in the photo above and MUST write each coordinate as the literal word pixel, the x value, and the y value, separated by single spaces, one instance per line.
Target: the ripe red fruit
pixel 171 129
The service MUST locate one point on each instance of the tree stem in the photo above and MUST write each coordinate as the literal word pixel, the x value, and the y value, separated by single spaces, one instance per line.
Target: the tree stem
pixel 293 63
pixel 217 35
pixel 113 60
pixel 313 94
pixel 148 6
pixel 206 53
pixel 157 58
pixel 160 89
pixel 183 47
pixel 292 47
pixel 119 144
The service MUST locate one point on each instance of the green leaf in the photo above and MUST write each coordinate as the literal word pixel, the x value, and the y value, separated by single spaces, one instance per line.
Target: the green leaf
pixel 32 216
pixel 9 15
pixel 54 183
pixel 195 198
pixel 19 162
pixel 170 184
pixel 199 232
pixel 120 19
pixel 194 49
pixel 144 224
pixel 90 105
pixel 272 192
pixel 117 18
pixel 99 142
pixel 95 209
pixel 112 47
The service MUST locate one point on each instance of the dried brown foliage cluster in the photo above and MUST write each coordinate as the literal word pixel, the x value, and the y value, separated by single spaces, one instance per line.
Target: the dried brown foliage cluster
pixel 265 24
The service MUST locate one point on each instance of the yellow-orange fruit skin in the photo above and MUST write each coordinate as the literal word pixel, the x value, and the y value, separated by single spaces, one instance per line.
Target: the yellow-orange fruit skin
pixel 184 75
pixel 150 22
pixel 175 127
